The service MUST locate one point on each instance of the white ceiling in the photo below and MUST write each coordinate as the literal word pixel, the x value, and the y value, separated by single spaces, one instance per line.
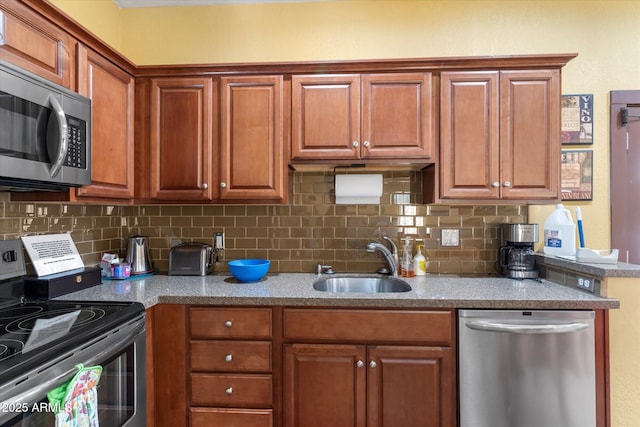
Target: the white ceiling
pixel 161 3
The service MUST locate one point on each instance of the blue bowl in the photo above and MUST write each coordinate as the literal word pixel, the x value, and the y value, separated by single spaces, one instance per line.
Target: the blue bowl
pixel 249 270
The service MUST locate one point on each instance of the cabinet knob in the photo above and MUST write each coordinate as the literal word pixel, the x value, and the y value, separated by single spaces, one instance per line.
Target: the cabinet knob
pixel 372 364
pixel 228 358
pixel 360 364
pixel 495 184
pixel 355 144
pixel 204 186
pixel 223 185
pixel 229 391
pixel 366 144
pixel 507 184
pixel 228 323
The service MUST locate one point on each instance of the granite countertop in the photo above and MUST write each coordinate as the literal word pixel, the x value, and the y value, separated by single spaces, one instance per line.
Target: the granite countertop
pixel 619 269
pixel 295 289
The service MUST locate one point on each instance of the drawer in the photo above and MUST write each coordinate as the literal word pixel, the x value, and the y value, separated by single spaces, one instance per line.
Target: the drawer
pixel 231 356
pixel 239 391
pixel 207 417
pixel 212 322
pixel 433 327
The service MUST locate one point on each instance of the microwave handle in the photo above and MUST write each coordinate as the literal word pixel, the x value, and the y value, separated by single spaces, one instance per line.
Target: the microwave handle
pixel 63 146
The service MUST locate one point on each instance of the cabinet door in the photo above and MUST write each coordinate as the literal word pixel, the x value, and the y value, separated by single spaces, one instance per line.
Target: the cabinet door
pixel 397 116
pixel 252 144
pixel 181 138
pixel 325 117
pixel 411 387
pixel 530 145
pixel 324 385
pixel 31 42
pixel 469 135
pixel 112 92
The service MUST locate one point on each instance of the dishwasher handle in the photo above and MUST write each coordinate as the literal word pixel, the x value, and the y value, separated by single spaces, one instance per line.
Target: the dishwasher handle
pixel 558 328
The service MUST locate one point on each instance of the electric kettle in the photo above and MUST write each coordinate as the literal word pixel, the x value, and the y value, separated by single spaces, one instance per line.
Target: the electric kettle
pixel 138 255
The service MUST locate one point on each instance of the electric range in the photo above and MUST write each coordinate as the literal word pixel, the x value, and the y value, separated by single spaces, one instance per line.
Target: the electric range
pixel 32 332
pixel 44 343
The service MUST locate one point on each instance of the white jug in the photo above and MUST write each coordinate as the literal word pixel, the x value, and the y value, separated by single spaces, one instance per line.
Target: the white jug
pixel 560 233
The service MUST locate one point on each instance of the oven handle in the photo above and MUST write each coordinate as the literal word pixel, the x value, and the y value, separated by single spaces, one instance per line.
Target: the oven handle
pixel 63 146
pixel 108 347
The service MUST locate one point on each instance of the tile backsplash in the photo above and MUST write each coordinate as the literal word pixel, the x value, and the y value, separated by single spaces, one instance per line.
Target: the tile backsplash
pixel 295 237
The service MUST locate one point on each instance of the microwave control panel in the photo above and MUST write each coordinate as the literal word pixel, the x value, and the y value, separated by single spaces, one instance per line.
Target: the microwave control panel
pixel 77 153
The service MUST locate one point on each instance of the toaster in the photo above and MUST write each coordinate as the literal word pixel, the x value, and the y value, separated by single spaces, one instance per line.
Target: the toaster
pixel 190 259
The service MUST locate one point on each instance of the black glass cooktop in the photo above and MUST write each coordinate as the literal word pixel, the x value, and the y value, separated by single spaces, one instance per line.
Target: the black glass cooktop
pixel 31 333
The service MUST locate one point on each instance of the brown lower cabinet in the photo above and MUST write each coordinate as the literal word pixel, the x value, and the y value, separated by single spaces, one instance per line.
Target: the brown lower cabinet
pixel 379 368
pixel 373 386
pixel 309 367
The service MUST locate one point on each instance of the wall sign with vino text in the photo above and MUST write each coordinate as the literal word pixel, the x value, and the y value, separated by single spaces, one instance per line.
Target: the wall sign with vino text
pixel 577 119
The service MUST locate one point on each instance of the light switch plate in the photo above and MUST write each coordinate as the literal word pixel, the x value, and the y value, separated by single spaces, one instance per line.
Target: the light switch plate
pixel 450 237
pixel 11 259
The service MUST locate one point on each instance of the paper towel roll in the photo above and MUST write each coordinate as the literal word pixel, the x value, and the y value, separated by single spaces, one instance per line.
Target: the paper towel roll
pixel 358 189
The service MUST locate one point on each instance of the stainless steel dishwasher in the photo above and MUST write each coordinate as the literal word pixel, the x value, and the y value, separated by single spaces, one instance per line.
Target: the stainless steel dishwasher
pixel 526 368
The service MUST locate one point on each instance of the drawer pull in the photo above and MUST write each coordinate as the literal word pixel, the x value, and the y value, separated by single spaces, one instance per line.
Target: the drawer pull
pixel 228 358
pixel 372 364
pixel 360 364
pixel 229 391
pixel 228 323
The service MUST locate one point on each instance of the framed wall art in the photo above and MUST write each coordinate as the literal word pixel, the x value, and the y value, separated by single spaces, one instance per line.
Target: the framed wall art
pixel 577 119
pixel 577 175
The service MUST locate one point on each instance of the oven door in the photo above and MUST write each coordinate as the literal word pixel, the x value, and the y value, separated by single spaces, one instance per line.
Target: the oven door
pixel 121 388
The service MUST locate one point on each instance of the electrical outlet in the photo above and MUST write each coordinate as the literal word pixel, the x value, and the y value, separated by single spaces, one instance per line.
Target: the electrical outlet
pixel 450 237
pixel 586 283
pixel 11 259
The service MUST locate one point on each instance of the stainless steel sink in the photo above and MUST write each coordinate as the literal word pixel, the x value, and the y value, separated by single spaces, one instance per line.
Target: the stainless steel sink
pixel 369 285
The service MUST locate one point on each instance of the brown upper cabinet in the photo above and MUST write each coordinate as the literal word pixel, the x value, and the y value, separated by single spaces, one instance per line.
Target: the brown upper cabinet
pixel 112 156
pixel 35 44
pixel 197 154
pixel 181 139
pixel 500 135
pixel 360 117
pixel 481 128
pixel 252 142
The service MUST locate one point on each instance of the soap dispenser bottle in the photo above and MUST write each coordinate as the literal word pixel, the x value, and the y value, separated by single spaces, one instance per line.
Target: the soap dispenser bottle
pixel 406 267
pixel 419 263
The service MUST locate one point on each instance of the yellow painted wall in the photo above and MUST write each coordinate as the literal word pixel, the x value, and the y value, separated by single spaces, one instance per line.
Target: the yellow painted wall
pixel 102 17
pixel 605 34
pixel 625 353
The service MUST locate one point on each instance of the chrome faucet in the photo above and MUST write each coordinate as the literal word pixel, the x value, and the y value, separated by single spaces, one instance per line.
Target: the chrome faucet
pixel 388 255
pixel 394 250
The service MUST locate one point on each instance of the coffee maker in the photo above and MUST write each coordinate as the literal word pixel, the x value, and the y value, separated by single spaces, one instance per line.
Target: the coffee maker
pixel 516 258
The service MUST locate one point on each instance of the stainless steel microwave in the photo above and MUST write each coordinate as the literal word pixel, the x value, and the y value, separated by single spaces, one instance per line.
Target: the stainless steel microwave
pixel 45 133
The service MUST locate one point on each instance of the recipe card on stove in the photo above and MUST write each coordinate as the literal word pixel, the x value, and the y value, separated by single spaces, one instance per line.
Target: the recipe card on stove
pixel 52 253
